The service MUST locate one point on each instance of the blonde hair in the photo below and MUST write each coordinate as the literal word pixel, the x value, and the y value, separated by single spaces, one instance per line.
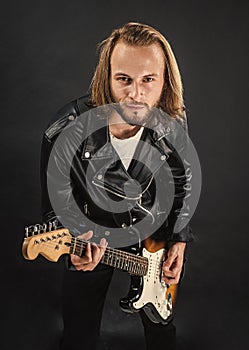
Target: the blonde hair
pixel 137 34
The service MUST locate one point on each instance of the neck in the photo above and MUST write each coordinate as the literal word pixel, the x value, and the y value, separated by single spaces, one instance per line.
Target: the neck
pixel 134 264
pixel 120 129
pixel 123 131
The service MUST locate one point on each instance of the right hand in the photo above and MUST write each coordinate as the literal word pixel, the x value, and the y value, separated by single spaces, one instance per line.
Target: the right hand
pixel 92 256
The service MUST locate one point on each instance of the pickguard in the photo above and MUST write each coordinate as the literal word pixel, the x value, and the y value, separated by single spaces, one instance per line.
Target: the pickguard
pixel 154 290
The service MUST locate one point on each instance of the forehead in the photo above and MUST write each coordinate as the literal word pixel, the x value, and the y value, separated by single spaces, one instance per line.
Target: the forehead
pixel 134 59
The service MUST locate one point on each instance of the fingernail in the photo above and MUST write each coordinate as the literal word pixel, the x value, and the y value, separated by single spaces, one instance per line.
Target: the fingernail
pixel 103 241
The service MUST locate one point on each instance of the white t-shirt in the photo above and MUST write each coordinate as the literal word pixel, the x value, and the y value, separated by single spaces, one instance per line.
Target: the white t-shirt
pixel 126 147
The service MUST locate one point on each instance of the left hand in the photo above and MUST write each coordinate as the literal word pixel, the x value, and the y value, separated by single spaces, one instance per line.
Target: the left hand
pixel 92 255
pixel 172 267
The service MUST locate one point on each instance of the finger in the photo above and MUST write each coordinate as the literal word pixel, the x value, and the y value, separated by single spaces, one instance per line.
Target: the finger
pixel 168 273
pixel 171 280
pixel 88 235
pixel 102 246
pixel 76 260
pixel 92 255
pixel 98 251
pixel 87 258
pixel 168 263
pixel 95 253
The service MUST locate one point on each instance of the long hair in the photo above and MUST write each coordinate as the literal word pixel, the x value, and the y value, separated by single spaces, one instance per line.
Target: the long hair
pixel 137 34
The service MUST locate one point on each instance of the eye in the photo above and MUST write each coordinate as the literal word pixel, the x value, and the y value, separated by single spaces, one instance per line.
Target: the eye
pixel 124 79
pixel 148 79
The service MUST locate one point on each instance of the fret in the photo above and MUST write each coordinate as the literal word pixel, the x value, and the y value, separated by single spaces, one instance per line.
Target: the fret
pixel 116 259
pixel 135 267
pixel 107 260
pixel 123 264
pixel 81 248
pixel 131 266
pixel 110 258
pixel 104 258
pixel 74 245
pixel 120 259
pixel 129 262
pixel 125 268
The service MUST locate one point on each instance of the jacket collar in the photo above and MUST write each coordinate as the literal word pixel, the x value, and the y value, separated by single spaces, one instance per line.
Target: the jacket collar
pixel 111 174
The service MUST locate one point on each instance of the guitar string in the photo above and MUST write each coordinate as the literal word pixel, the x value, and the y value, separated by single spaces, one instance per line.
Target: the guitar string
pixel 82 244
pixel 115 251
pixel 153 262
pixel 125 255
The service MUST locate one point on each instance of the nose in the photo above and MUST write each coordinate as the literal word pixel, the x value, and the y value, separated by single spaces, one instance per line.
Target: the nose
pixel 135 91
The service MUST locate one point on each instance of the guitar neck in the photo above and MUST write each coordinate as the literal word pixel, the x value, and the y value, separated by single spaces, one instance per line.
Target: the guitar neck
pixel 133 264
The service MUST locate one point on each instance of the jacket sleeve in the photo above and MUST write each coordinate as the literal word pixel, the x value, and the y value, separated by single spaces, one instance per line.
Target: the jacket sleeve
pixel 56 186
pixel 50 154
pixel 180 163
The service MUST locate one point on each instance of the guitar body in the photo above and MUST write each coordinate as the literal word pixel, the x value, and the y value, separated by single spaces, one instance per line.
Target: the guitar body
pixel 148 292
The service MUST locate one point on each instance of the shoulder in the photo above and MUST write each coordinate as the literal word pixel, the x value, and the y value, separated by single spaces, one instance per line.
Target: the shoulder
pixel 66 115
pixel 182 120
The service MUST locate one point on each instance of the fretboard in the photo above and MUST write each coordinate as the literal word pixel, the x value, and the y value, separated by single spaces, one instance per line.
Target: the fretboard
pixel 133 264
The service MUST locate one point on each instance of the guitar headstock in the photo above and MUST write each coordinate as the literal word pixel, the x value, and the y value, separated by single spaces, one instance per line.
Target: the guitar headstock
pixel 50 244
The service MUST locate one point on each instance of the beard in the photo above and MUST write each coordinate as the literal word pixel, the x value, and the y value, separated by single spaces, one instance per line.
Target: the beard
pixel 134 113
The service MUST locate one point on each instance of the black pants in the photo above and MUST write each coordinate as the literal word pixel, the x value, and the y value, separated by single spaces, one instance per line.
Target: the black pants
pixel 83 299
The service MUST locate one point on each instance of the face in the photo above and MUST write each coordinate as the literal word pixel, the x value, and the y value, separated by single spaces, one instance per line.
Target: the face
pixel 137 78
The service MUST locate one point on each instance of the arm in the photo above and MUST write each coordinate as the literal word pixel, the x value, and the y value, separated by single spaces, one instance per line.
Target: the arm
pixel 55 168
pixel 179 217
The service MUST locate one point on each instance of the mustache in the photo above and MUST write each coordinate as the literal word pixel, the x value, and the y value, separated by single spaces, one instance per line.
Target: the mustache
pixel 134 103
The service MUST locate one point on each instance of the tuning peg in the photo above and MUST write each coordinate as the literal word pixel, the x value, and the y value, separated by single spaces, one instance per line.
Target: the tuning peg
pixel 31 230
pixel 26 231
pixel 54 225
pixel 38 228
pixel 49 226
pixel 44 227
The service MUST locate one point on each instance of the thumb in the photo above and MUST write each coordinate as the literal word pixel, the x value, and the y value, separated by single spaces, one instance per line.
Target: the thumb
pixel 168 263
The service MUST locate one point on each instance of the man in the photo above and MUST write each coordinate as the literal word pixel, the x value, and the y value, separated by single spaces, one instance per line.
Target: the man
pixel 136 75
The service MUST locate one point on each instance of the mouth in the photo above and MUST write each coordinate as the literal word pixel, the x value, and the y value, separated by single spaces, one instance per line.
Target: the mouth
pixel 134 107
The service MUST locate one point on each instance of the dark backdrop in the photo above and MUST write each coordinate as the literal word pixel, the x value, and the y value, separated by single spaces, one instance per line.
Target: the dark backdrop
pixel 48 58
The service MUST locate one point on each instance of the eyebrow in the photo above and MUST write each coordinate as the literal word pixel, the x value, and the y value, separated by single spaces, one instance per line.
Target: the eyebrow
pixel 126 75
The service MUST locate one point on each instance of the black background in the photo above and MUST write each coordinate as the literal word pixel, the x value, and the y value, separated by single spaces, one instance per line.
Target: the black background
pixel 48 58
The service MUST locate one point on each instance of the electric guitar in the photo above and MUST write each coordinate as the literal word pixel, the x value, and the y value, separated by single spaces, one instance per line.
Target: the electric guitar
pixel 147 290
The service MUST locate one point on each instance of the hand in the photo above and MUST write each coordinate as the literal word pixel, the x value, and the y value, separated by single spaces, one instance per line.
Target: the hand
pixel 172 267
pixel 92 256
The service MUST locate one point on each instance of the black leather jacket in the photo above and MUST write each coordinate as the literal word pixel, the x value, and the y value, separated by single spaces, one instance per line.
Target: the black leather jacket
pixel 98 193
